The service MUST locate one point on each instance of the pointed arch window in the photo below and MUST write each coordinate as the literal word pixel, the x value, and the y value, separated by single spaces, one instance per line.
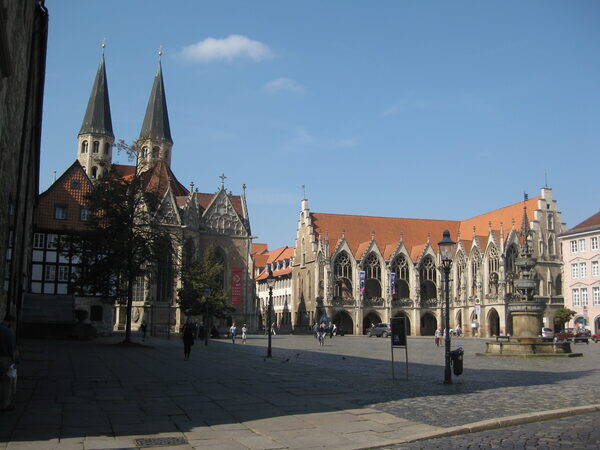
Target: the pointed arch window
pixel 164 273
pixel 221 259
pixel 428 276
pixel 95 147
pixel 94 172
pixel 511 268
pixel 551 246
pixel 321 260
pixel 155 152
pixel 106 148
pixel 84 146
pixel 342 270
pixel 144 152
pixel 372 277
pixel 400 268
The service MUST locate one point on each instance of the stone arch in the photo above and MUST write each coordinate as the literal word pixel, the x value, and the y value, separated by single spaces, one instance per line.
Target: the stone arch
pixel 458 319
pixel 371 318
pixel 493 321
pixel 343 320
pixel 405 315
pixel 428 324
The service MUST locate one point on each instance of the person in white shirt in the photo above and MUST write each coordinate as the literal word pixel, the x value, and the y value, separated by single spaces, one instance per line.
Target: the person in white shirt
pixel 244 331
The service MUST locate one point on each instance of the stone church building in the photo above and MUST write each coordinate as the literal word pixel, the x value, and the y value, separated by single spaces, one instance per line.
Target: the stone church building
pixel 197 220
pixel 359 270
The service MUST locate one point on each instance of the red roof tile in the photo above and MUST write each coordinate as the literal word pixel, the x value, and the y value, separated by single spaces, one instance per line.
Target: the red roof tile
pixel 589 223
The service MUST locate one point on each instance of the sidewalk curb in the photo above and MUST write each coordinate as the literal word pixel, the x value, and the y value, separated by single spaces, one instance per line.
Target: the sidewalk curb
pixel 492 424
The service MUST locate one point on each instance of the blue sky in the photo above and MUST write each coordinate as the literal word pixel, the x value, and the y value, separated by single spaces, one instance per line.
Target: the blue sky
pixel 429 109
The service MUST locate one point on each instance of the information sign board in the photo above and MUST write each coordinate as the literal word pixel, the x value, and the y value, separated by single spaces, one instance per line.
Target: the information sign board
pixel 398 331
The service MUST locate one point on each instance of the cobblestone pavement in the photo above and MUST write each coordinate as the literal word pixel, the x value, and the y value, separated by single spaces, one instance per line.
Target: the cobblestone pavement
pixel 98 395
pixel 579 432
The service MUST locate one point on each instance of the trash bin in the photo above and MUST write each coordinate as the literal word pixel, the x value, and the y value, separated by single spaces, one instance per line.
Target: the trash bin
pixel 456 357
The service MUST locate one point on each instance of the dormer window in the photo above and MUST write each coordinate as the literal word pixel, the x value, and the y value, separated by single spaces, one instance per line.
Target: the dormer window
pixel 84 147
pixel 96 147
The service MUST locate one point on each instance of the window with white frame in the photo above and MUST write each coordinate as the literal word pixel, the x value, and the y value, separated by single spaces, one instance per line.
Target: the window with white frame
pixel 38 240
pixel 63 273
pixel 595 269
pixel 573 246
pixel 596 296
pixel 575 293
pixel 52 242
pixel 584 296
pixel 49 273
pixel 582 270
pixel 581 245
pixel 574 271
pixel 594 243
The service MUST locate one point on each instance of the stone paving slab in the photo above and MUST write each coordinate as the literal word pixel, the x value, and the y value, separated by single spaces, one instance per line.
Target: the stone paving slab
pixel 87 394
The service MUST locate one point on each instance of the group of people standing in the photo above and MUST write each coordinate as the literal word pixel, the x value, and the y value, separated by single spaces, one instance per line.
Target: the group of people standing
pixel 325 329
pixel 189 333
pixel 440 335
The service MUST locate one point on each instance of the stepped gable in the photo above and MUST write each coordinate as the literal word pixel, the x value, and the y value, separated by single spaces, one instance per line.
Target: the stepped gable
pixel 159 178
pixel 70 190
pixel 387 230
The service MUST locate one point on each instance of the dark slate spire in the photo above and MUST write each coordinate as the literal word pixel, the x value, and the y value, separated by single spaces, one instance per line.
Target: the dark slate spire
pixel 156 122
pixel 97 118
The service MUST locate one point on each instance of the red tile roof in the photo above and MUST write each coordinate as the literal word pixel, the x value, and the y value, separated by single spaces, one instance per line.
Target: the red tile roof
pixel 64 192
pixel 414 233
pixel 204 200
pixel 589 223
pixel 259 248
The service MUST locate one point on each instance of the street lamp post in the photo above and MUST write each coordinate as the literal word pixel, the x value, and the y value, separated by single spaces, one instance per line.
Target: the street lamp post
pixel 446 248
pixel 207 292
pixel 270 283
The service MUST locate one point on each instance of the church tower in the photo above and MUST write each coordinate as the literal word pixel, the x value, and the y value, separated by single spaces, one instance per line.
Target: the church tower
pixel 96 138
pixel 155 142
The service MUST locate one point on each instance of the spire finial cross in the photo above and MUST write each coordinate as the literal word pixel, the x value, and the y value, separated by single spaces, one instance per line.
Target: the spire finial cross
pixel 222 177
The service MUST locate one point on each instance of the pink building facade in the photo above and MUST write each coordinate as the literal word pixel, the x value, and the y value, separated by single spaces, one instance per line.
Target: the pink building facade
pixel 581 257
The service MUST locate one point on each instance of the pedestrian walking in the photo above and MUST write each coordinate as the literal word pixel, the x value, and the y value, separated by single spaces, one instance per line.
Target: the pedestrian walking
pixel 188 334
pixel 273 329
pixel 457 330
pixel 143 330
pixel 9 358
pixel 437 337
pixel 233 332
pixel 244 334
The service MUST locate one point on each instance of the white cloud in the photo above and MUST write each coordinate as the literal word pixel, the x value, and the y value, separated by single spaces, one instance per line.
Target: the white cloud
pixel 228 49
pixel 284 84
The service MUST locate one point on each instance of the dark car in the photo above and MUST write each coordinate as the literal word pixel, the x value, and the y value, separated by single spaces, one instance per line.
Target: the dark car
pixel 596 337
pixel 380 330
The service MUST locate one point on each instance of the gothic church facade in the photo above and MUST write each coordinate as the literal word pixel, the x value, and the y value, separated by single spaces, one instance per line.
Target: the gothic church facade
pixel 198 220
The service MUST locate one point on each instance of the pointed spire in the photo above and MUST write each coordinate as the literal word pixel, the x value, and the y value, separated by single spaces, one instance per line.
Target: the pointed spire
pixel 97 119
pixel 525 221
pixel 156 122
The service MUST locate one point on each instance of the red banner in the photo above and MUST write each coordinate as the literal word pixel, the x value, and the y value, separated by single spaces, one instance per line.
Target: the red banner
pixel 237 291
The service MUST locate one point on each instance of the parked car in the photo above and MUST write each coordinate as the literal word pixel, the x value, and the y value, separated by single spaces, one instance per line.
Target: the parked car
pixel 575 336
pixel 596 337
pixel 547 334
pixel 379 330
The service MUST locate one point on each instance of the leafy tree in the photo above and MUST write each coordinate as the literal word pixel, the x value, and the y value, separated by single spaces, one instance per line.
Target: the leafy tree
pixel 125 240
pixel 198 276
pixel 563 315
